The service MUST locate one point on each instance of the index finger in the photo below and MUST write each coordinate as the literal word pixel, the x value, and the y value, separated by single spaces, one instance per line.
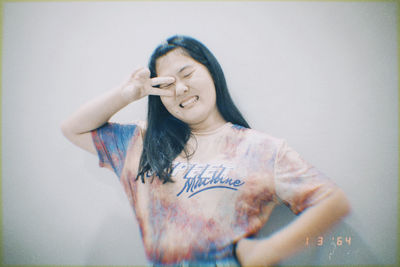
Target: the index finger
pixel 160 92
pixel 162 80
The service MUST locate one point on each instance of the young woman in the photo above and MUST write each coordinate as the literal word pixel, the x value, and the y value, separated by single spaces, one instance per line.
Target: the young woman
pixel 200 181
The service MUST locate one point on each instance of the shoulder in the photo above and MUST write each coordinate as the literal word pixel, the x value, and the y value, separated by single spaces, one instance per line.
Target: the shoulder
pixel 141 127
pixel 116 130
pixel 256 137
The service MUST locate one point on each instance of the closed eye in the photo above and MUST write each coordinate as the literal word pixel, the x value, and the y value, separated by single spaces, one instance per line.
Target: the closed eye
pixel 188 75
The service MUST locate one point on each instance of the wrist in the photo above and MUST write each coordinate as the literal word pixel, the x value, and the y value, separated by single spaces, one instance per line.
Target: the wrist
pixel 256 252
pixel 123 95
pixel 129 93
pixel 245 249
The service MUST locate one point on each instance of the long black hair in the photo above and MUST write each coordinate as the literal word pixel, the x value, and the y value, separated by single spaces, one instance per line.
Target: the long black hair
pixel 166 136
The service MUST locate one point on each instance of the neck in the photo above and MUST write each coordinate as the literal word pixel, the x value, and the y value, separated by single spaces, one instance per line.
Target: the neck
pixel 209 125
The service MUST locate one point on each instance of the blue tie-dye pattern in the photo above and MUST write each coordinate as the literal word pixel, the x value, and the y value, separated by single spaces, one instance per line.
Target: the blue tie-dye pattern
pixel 238 127
pixel 113 140
pixel 214 257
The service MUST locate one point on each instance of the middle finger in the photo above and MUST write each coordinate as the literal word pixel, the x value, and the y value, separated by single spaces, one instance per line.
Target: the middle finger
pixel 162 80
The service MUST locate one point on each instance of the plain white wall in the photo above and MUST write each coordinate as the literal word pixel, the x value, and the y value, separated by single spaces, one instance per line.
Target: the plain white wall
pixel 322 75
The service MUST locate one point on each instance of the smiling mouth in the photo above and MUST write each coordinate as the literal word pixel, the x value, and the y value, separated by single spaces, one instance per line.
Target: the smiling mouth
pixel 189 101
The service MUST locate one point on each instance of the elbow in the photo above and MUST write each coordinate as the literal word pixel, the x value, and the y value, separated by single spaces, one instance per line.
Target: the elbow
pixel 347 208
pixel 343 207
pixel 66 129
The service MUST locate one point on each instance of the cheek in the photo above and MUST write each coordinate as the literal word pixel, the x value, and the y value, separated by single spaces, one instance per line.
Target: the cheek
pixel 168 103
pixel 212 97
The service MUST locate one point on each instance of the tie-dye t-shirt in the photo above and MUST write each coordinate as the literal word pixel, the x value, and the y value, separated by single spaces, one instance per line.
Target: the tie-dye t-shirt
pixel 224 192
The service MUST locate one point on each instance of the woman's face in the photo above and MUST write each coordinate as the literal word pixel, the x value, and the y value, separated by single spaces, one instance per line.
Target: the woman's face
pixel 194 100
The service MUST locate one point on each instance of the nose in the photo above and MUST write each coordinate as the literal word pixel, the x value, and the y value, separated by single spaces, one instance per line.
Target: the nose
pixel 181 89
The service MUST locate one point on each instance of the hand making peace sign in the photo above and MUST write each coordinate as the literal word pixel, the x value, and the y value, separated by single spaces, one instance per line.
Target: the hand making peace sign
pixel 140 85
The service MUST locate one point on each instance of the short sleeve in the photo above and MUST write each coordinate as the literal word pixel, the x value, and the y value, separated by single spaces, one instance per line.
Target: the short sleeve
pixel 112 141
pixel 298 184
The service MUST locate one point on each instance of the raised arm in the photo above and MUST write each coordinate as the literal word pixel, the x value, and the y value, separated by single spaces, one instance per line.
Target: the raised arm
pixel 98 111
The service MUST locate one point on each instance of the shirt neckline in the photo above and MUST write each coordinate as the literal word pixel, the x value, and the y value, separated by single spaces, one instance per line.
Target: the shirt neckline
pixel 216 130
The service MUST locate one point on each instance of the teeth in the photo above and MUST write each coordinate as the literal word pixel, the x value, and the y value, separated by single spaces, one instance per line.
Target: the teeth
pixel 189 101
